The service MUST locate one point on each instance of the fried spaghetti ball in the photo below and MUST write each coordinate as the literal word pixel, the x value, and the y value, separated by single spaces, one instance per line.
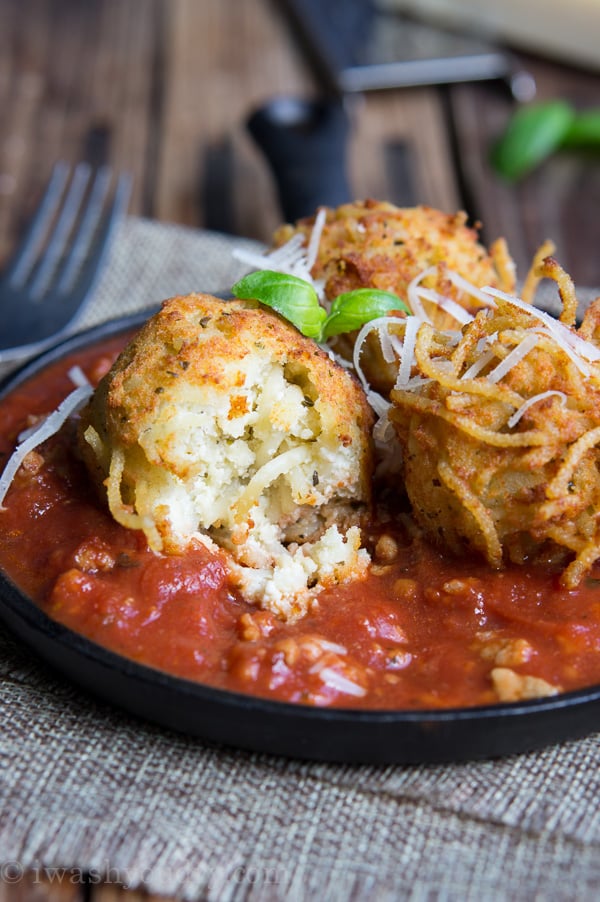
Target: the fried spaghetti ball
pixel 500 431
pixel 415 252
pixel 220 422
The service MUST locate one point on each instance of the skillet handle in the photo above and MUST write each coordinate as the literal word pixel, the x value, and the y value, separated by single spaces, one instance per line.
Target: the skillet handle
pixel 304 143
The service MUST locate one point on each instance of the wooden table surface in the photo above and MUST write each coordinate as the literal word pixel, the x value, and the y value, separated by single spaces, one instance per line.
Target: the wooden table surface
pixel 162 89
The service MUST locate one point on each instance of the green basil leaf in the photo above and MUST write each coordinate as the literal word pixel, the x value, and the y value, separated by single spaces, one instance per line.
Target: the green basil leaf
pixel 293 298
pixel 584 131
pixel 534 132
pixel 353 309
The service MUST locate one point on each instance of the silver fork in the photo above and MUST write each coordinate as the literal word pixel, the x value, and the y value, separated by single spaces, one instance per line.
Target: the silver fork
pixel 47 282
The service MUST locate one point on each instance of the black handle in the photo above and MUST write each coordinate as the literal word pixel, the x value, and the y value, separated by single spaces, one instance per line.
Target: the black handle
pixel 304 142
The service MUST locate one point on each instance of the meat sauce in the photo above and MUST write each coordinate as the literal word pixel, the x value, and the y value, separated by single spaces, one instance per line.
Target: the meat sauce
pixel 423 630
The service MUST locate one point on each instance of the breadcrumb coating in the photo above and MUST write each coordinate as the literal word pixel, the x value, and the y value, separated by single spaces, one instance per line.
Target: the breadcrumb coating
pixel 374 244
pixel 220 422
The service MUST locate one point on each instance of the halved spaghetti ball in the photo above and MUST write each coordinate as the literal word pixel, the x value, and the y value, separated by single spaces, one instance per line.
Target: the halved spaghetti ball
pixel 221 422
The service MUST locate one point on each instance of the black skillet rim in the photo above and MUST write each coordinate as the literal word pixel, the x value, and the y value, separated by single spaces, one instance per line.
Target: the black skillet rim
pixel 343 735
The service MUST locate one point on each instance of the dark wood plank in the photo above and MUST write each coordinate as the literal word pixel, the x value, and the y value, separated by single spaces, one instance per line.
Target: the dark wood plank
pixel 559 200
pixel 246 56
pixel 406 129
pixel 163 90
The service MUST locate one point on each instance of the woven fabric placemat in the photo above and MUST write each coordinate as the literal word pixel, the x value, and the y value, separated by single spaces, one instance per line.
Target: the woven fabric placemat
pixel 88 788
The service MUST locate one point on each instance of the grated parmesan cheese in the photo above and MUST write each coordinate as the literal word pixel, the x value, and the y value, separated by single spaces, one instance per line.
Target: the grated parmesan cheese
pixel 295 257
pixel 449 306
pixel 515 357
pixel 312 250
pixel 78 377
pixel 380 325
pixel 334 647
pixel 48 427
pixel 460 282
pixel 340 683
pixel 514 419
pixel 408 352
pixel 578 349
pixel 479 365
pixel 402 350
pixel 414 300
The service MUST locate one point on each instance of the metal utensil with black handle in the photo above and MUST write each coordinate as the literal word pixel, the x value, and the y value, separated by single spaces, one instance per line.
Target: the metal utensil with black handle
pixel 305 143
pixel 53 271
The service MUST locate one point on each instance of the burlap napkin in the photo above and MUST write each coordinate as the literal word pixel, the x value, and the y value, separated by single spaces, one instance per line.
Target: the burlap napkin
pixel 86 788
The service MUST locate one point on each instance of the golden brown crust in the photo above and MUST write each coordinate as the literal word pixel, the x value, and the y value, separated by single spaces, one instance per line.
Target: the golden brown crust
pixel 375 244
pixel 166 349
pixel 372 244
pixel 215 404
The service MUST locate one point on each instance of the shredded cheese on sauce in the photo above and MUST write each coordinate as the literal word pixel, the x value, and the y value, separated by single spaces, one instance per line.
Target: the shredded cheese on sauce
pixel 48 427
pixel 78 377
pixel 340 683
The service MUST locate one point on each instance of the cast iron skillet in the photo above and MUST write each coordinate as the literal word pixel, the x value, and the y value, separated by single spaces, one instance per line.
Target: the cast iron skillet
pixel 342 735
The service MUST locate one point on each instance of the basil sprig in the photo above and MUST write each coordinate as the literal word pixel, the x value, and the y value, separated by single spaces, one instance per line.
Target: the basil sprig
pixel 298 302
pixel 585 131
pixel 533 133
pixel 290 296
pixel 538 130
pixel 353 309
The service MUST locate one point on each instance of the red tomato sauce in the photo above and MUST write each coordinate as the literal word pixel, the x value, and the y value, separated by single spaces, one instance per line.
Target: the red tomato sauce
pixel 423 630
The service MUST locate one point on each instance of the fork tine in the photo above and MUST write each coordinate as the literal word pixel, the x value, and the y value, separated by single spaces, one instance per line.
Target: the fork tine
pixel 22 261
pixel 61 231
pixel 93 264
pixel 85 232
pixel 33 325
